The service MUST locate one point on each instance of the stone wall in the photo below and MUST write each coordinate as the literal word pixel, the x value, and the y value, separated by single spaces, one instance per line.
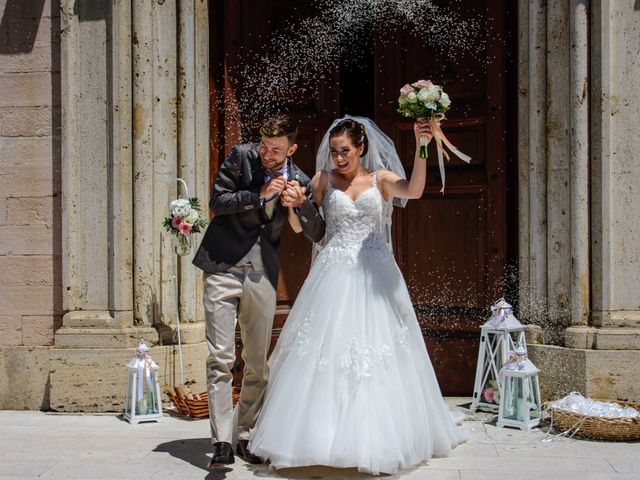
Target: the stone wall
pixel 30 225
pixel 98 118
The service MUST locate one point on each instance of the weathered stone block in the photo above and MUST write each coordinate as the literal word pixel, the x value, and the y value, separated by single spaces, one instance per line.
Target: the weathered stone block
pixel 3 211
pixel 562 370
pixel 613 374
pixel 27 300
pixel 34 180
pixel 94 380
pixel 39 59
pixel 37 331
pixel 618 339
pixel 27 270
pixel 608 338
pixel 26 89
pixel 26 32
pixel 534 333
pixel 26 151
pixel 32 211
pixel 24 378
pixel 26 240
pixel 10 330
pixel 103 338
pixel 608 374
pixel 21 9
pixel 27 121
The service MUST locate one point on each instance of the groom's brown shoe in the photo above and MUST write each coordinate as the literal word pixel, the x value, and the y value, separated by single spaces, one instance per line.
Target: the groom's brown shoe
pixel 222 455
pixel 242 450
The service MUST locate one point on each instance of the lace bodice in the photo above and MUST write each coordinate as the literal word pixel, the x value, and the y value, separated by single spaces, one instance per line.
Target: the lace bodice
pixel 355 228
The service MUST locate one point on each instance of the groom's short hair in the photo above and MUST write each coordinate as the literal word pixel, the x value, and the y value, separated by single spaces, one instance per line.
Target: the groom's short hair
pixel 280 125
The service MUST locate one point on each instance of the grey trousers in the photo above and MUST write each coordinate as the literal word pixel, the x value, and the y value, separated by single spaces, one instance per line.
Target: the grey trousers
pixel 245 295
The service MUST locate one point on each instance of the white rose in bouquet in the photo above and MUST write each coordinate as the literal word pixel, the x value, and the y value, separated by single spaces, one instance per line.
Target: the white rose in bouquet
pixel 192 217
pixel 412 97
pixel 429 95
pixel 444 100
pixel 180 207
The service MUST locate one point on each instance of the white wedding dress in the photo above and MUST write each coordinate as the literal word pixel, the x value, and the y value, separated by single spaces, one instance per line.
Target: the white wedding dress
pixel 351 384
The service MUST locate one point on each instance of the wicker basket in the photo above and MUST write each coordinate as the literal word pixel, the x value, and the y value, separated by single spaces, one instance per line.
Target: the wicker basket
pixel 598 428
pixel 194 405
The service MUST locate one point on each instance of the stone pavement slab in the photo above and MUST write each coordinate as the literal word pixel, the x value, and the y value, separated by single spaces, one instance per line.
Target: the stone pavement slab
pixel 63 446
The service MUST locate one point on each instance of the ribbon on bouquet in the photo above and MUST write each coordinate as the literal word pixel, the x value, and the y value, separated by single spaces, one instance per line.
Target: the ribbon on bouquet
pixel 440 139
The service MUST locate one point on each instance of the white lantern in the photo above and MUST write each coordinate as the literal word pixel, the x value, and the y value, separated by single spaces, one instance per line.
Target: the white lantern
pixel 501 334
pixel 520 402
pixel 143 400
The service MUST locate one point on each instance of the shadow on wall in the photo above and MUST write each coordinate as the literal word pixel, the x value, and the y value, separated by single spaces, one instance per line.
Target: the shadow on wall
pixel 636 6
pixel 19 25
pixel 56 162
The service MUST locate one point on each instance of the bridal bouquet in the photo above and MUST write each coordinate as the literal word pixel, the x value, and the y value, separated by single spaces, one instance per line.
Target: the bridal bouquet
pixel 424 99
pixel 184 219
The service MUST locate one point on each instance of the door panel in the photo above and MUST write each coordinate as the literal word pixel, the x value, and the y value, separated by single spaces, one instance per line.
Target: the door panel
pixel 451 248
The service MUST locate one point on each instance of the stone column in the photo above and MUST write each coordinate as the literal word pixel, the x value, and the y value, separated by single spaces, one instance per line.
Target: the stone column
pixel 193 147
pixel 558 199
pixel 96 185
pixel 615 171
pixel 143 171
pixel 532 158
pixel 579 161
pixel 546 142
pixel 135 117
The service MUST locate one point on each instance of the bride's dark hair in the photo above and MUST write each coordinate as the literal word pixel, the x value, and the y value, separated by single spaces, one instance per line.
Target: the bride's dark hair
pixel 354 130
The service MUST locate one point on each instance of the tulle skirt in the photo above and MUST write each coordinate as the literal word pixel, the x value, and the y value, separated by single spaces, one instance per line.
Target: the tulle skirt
pixel 351 383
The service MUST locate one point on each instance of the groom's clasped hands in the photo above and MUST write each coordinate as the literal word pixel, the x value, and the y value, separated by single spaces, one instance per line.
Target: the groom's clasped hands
pixel 290 192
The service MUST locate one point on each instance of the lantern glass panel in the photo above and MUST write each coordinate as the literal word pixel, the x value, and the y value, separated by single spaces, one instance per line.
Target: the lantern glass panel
pixel 521 402
pixel 534 402
pixel 127 407
pixel 148 404
pixel 513 398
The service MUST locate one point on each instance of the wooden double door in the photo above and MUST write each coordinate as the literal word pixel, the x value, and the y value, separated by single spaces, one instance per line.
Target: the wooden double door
pixel 450 247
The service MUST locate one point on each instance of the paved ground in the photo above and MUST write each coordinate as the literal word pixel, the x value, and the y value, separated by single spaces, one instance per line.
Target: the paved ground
pixel 56 446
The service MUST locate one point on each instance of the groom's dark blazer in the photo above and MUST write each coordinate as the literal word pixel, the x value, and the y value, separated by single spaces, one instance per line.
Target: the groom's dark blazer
pixel 240 215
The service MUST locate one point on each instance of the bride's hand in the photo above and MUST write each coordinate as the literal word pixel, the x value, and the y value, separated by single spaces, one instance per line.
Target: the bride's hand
pixel 293 195
pixel 422 129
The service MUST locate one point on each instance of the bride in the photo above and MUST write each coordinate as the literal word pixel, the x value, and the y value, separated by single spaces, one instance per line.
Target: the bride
pixel 351 383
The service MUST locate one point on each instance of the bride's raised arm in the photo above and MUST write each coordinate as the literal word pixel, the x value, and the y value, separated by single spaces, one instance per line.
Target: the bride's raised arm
pixel 394 186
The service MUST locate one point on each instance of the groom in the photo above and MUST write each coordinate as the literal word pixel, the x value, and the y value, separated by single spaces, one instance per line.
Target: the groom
pixel 257 187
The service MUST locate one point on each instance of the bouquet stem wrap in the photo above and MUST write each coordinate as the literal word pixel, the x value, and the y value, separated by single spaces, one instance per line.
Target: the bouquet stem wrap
pixel 423 148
